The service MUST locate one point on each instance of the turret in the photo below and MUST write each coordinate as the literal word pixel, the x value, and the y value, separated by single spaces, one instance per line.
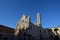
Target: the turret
pixel 38 22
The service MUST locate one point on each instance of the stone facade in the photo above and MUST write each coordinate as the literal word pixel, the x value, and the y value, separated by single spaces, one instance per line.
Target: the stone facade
pixel 6 32
pixel 26 30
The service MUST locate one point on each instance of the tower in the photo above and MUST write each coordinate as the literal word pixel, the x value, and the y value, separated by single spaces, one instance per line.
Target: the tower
pixel 38 22
pixel 23 23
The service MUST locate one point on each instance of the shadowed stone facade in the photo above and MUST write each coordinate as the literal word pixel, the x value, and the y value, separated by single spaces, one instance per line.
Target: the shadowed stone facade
pixel 26 30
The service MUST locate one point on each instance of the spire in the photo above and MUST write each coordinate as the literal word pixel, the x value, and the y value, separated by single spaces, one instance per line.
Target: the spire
pixel 39 19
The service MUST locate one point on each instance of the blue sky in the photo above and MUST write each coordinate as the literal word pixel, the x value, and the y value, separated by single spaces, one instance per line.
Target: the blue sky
pixel 12 10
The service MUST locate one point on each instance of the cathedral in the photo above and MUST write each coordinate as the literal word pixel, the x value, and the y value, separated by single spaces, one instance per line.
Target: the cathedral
pixel 26 30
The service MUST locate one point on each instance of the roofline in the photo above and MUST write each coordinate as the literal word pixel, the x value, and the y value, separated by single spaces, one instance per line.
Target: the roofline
pixel 6 26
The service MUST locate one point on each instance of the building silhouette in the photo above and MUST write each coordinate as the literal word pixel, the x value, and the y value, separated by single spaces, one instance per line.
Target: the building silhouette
pixel 26 30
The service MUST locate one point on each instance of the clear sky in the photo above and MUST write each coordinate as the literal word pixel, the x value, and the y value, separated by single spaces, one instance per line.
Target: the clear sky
pixel 12 10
